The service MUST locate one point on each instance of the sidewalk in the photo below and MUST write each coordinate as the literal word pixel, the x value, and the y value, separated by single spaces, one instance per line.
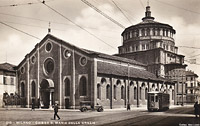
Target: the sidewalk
pixel 133 108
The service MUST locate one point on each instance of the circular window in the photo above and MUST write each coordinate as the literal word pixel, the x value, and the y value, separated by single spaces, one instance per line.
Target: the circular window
pixel 67 53
pixel 83 61
pixel 22 70
pixel 33 59
pixel 48 46
pixel 49 66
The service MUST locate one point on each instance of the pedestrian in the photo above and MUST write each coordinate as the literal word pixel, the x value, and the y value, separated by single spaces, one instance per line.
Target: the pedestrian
pixel 128 107
pixel 196 109
pixel 56 112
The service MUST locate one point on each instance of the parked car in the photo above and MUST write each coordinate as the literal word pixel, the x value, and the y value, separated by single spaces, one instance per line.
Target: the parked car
pixel 86 105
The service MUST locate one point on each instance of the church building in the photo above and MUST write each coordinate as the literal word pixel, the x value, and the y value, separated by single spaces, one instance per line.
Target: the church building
pixel 57 71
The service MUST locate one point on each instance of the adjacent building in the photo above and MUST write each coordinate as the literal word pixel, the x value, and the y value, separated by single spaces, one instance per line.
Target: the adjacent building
pixel 7 80
pixel 192 87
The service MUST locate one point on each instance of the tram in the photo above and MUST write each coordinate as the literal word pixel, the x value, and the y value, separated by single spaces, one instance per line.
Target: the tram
pixel 158 101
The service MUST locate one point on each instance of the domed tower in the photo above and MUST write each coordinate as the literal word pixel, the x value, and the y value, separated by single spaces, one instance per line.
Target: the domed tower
pixel 152 43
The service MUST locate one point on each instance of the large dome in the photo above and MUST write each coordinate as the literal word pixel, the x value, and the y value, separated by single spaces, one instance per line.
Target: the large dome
pixel 146 34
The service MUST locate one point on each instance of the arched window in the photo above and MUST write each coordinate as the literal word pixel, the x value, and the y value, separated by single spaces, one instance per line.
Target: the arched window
pixel 115 92
pixel 108 91
pixel 158 32
pixel 143 32
pixel 137 33
pixel 135 93
pixel 118 82
pixel 33 89
pixel 22 90
pixel 98 91
pixel 140 96
pixel 131 83
pixel 146 91
pixel 148 32
pixel 103 81
pixel 83 86
pixel 67 87
pixel 122 92
pixel 154 33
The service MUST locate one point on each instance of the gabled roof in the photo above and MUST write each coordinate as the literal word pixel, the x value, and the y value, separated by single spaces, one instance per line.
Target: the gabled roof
pixel 85 51
pixel 7 67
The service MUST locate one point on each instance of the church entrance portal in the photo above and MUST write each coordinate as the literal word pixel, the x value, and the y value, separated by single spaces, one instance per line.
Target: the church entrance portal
pixel 46 93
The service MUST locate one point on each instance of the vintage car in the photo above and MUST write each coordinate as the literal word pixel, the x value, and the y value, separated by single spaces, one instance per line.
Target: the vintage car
pixel 86 105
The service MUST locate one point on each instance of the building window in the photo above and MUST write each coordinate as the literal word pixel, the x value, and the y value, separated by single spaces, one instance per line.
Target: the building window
pixel 83 86
pixel 167 33
pixel 22 90
pixel 83 61
pixel 158 32
pixel 33 89
pixel 191 85
pixel 146 91
pixel 143 32
pixel 22 70
pixel 135 93
pixel 122 92
pixel 67 87
pixel 5 80
pixel 108 92
pixel 147 46
pixel 49 65
pixel 33 59
pixel 48 47
pixel 131 34
pixel 115 92
pixel 12 81
pixel 154 32
pixel 191 91
pixel 98 91
pixel 67 53
pixel 148 32
pixel 143 47
pixel 103 80
pixel 137 33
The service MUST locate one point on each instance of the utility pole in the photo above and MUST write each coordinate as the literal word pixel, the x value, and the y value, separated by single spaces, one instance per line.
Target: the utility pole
pixel 128 86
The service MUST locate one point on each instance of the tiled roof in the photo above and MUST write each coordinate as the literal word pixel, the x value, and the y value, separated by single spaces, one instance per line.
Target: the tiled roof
pixel 190 73
pixel 7 67
pixel 112 57
pixel 119 70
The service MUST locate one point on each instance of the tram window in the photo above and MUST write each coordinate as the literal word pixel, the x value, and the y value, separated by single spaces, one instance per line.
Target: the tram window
pixel 152 98
pixel 156 98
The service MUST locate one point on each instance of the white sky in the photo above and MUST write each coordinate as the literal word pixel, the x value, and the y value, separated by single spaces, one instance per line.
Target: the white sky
pixel 182 15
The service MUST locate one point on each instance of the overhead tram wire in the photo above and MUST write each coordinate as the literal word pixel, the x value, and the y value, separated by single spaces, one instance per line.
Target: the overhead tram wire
pixel 37 19
pixel 189 47
pixel 77 25
pixel 103 14
pixel 142 4
pixel 177 7
pixel 122 12
pixel 30 3
pixel 19 30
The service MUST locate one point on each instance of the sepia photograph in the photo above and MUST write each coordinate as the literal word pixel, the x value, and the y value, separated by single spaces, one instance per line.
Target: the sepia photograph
pixel 99 63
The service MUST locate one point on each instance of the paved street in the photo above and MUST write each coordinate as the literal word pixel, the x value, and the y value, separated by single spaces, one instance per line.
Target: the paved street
pixel 176 116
